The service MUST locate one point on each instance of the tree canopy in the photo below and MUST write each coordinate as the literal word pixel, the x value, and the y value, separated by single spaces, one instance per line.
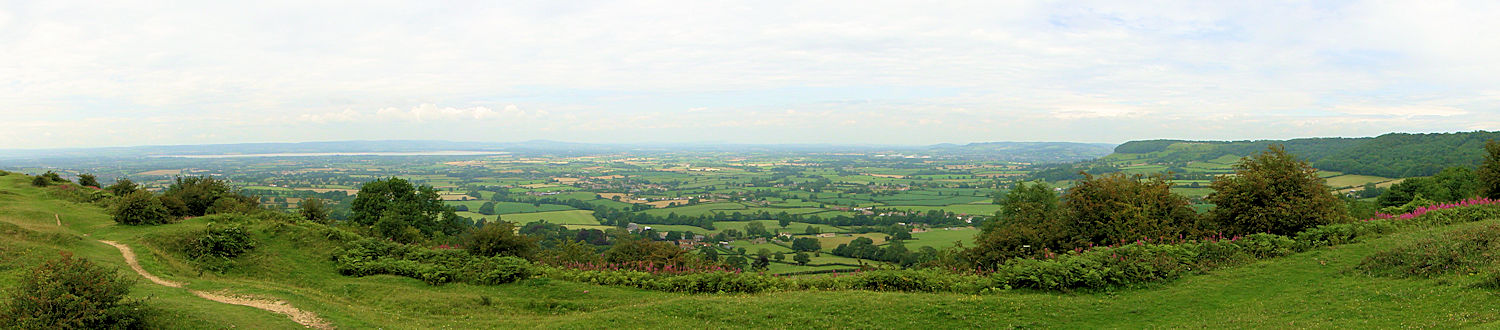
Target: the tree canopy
pixel 1273 192
pixel 1489 170
pixel 399 210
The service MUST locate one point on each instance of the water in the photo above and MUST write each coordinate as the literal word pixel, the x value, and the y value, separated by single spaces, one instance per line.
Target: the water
pixel 324 154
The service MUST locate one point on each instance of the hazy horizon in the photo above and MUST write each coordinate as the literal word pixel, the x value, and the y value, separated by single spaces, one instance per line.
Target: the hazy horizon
pixel 84 74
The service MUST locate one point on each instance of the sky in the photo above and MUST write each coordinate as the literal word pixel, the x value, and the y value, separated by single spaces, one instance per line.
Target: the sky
pixel 124 73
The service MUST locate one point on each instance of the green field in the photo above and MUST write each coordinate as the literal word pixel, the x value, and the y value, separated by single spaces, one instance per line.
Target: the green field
pixel 771 225
pixel 940 238
pixel 697 210
pixel 511 207
pixel 574 217
pixel 970 209
pixel 1193 192
pixel 1345 181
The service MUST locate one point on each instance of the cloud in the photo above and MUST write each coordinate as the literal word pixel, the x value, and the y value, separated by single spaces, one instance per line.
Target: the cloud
pixel 348 115
pixel 745 71
pixel 1400 111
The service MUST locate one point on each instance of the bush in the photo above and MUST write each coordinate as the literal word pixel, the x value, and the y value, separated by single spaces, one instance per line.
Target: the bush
pixel 496 270
pixel 375 257
pixel 221 242
pixel 88 180
pixel 1273 192
pixel 1489 171
pixel 499 239
pixel 72 293
pixel 1117 207
pixel 122 187
pixel 1344 233
pixel 1466 250
pixel 139 208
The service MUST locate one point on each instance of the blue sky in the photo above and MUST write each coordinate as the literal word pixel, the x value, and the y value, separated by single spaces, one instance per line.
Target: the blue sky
pixel 84 74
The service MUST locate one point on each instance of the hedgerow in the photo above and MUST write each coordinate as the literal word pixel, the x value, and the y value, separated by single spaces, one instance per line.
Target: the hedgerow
pixel 367 257
pixel 1129 265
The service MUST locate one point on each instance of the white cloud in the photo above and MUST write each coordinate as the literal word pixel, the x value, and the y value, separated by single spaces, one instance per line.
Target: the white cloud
pixel 1400 110
pixel 430 112
pixel 645 70
pixel 348 115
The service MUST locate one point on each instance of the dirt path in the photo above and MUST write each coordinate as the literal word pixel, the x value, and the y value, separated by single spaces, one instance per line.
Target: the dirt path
pixel 302 317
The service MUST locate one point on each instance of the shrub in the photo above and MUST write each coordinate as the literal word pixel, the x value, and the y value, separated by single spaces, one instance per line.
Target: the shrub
pixel 1344 233
pixel 139 208
pixel 1115 207
pixel 122 186
pixel 88 180
pixel 1465 250
pixel 375 257
pixel 499 239
pixel 198 194
pixel 496 270
pixel 221 241
pixel 71 293
pixel 1273 192
pixel 313 209
pixel 1489 171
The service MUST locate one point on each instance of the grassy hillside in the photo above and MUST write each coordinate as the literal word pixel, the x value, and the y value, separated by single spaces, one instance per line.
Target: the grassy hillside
pixel 1320 288
pixel 1393 155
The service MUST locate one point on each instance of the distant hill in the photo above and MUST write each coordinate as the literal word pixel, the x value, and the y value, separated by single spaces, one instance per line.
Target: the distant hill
pixel 1393 155
pixel 1044 152
pixel 1034 152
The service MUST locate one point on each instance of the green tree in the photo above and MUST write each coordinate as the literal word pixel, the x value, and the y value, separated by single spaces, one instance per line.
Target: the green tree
pixel 122 186
pixel 488 208
pixel 71 293
pixel 756 229
pixel 1029 220
pixel 736 261
pixel 313 209
pixel 1273 192
pixel 710 253
pixel 811 230
pixel 1451 185
pixel 88 180
pixel 779 256
pixel 784 222
pixel 139 208
pixel 1113 207
pixel 761 263
pixel 1489 171
pixel 229 205
pixel 392 205
pixel 198 194
pixel 499 239
pixel 801 258
pixel 641 250
pixel 763 253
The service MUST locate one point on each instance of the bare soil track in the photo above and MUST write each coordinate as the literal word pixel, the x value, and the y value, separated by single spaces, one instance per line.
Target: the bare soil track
pixel 302 317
